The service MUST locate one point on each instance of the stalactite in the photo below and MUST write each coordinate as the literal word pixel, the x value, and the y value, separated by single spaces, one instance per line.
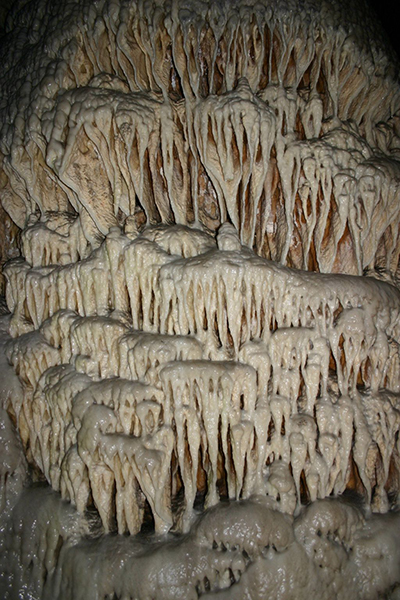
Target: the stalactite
pixel 203 299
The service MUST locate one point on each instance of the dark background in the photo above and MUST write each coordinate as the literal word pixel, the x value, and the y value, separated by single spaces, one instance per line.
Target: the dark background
pixel 388 12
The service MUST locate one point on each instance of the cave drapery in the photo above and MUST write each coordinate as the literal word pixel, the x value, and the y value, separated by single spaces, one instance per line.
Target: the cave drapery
pixel 200 340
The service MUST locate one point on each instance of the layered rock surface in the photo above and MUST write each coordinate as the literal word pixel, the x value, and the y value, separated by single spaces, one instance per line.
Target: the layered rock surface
pixel 196 192
pixel 157 374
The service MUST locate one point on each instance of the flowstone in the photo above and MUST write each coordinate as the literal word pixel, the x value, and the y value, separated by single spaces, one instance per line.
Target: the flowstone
pixel 200 351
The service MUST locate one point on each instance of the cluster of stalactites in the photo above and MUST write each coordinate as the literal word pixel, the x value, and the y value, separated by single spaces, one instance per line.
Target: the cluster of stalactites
pixel 178 280
pixel 153 402
pixel 150 119
pixel 291 403
pixel 202 49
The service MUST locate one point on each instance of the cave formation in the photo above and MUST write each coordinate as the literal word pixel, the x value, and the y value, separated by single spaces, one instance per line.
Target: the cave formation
pixel 200 244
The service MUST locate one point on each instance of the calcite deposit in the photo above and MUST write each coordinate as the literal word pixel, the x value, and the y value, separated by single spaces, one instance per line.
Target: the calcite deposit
pixel 199 353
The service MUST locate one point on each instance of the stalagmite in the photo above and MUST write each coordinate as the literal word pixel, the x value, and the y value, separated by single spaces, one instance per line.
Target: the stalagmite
pixel 199 346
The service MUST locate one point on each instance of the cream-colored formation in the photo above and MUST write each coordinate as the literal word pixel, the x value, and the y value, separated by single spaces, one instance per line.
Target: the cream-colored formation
pixel 268 115
pixel 167 366
pixel 213 364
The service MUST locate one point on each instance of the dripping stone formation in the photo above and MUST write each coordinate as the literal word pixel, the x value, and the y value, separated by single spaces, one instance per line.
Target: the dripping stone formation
pixel 200 240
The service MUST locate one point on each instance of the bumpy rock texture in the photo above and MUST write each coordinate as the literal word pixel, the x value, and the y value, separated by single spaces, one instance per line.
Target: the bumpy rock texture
pixel 166 171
